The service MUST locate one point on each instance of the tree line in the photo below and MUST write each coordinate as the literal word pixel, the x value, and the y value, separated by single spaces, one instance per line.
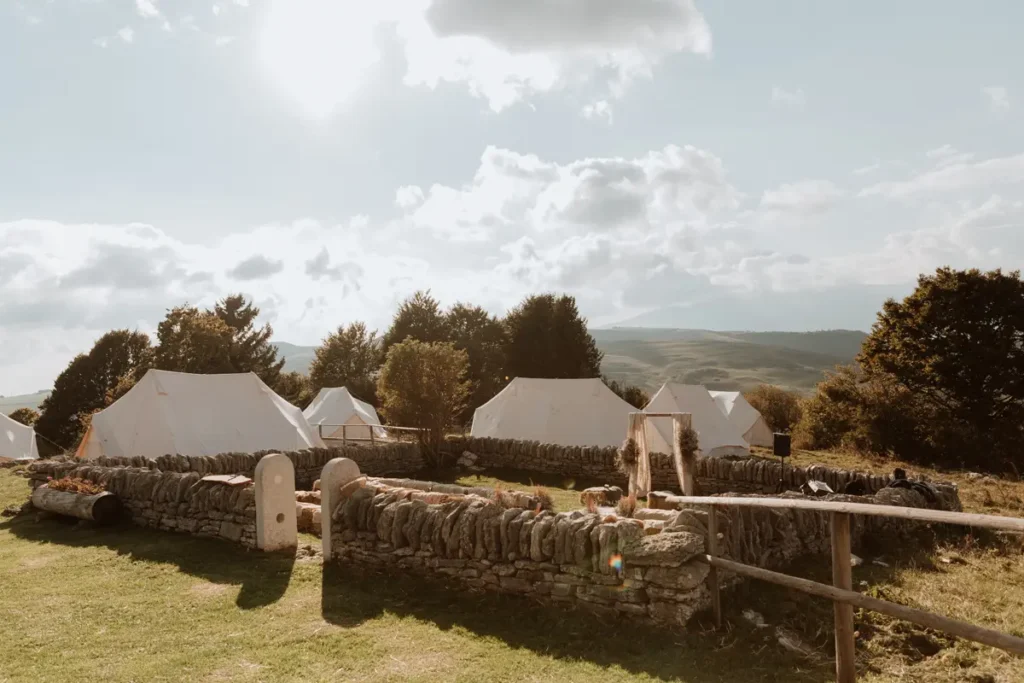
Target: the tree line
pixel 938 381
pixel 431 368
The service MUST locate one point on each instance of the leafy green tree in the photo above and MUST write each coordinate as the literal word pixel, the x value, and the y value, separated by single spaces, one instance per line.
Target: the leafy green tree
pixel 955 347
pixel 25 416
pixel 418 317
pixel 86 385
pixel 192 340
pixel 779 408
pixel 482 337
pixel 249 349
pixel 630 393
pixel 294 388
pixel 223 340
pixel 855 410
pixel 546 337
pixel 348 357
pixel 958 343
pixel 423 385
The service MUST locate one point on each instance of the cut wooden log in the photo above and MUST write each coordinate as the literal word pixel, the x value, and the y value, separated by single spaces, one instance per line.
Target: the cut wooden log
pixel 102 508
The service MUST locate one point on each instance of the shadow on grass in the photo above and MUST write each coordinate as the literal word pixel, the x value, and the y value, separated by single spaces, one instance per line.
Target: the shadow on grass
pixel 351 596
pixel 262 577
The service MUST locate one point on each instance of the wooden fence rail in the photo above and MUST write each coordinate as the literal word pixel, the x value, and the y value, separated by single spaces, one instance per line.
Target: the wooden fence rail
pixel 841 592
pixel 373 438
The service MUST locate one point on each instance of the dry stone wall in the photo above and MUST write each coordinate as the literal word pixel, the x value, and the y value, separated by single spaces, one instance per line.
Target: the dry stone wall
pixel 714 475
pixel 597 561
pixel 171 501
pixel 380 460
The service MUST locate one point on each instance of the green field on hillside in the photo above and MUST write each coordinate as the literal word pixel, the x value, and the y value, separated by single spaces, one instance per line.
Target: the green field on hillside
pixel 721 365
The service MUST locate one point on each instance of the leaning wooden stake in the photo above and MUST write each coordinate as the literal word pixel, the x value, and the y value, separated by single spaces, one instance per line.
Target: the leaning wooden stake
pixel 842 577
pixel 102 508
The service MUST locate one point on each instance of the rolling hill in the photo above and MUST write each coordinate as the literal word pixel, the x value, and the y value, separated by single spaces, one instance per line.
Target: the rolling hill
pixel 726 361
pixel 8 404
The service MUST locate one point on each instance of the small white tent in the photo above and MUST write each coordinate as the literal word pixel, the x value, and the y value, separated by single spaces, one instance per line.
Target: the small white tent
pixel 16 440
pixel 744 417
pixel 177 412
pixel 715 434
pixel 568 412
pixel 334 407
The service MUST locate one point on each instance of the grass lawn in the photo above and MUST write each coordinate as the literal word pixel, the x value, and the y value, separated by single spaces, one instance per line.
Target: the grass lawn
pixel 128 604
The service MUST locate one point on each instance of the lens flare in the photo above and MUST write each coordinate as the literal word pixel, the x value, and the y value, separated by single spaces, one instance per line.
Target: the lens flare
pixel 615 562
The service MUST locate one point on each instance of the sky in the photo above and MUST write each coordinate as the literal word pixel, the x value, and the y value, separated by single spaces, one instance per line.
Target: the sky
pixel 728 164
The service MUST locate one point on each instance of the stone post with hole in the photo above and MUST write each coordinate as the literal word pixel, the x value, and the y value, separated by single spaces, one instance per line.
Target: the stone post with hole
pixel 336 474
pixel 276 526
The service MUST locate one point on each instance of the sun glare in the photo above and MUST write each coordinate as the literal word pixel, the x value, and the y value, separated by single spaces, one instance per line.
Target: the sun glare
pixel 318 52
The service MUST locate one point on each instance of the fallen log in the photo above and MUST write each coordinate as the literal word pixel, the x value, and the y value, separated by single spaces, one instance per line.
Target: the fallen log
pixel 102 508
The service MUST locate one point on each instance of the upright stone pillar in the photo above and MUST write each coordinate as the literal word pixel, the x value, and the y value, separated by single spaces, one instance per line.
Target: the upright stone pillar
pixel 276 526
pixel 336 474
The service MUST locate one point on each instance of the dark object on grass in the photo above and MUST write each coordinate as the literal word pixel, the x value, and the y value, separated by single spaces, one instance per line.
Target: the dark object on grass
pixel 857 487
pixel 781 445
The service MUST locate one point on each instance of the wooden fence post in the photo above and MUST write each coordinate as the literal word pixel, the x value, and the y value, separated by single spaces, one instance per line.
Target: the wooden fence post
pixel 685 463
pixel 842 577
pixel 716 599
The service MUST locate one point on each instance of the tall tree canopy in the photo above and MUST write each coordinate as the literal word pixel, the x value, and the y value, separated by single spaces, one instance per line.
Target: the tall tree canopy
pixel 88 383
pixel 249 349
pixel 348 357
pixel 418 317
pixel 547 337
pixel 423 385
pixel 958 341
pixel 940 378
pixel 482 337
pixel 192 340
pixel 223 340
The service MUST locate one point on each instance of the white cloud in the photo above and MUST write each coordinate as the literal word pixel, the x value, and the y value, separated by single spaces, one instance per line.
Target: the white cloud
pixel 665 228
pixel 147 9
pixel 998 98
pixel 101 42
pixel 947 155
pixel 500 51
pixel 954 176
pixel 221 41
pixel 794 99
pixel 127 34
pixel 216 9
pixel 600 111
pixel 804 197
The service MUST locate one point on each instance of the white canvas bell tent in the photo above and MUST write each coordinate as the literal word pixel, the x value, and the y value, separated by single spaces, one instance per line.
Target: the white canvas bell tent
pixel 744 417
pixel 16 440
pixel 177 412
pixel 568 412
pixel 716 435
pixel 335 406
